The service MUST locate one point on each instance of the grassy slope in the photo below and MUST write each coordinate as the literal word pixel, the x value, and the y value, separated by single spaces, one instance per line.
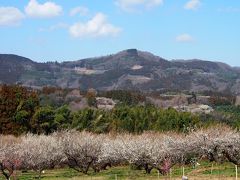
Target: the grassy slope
pixel 204 171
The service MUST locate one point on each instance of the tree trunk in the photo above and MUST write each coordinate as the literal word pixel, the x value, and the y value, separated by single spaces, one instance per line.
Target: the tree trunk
pixel 6 175
pixel 85 170
pixel 40 174
pixel 104 167
pixel 147 169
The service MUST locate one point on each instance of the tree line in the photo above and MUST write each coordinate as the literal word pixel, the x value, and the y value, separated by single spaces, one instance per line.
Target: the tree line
pixel 22 111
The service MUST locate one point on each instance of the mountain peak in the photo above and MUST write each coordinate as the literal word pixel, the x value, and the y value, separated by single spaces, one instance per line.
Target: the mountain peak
pixel 128 52
pixel 14 58
pixel 139 54
pixel 133 52
pixel 128 69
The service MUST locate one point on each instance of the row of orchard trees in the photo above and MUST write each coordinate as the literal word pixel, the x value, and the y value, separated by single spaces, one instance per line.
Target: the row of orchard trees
pixel 83 151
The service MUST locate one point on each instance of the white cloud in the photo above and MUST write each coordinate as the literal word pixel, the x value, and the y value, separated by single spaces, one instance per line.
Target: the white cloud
pixel 192 5
pixel 10 16
pixel 184 38
pixel 46 10
pixel 82 11
pixel 96 27
pixel 131 5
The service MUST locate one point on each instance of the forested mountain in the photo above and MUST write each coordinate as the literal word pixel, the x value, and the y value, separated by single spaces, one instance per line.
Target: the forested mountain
pixel 128 69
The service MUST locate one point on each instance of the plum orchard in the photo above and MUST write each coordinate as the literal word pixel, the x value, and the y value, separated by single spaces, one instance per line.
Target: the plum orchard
pixel 83 151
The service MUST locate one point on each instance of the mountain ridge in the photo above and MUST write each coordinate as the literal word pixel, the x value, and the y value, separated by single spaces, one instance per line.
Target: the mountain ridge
pixel 130 69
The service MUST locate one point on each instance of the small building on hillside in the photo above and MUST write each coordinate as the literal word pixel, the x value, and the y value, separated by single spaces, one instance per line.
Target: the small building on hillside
pixel 105 103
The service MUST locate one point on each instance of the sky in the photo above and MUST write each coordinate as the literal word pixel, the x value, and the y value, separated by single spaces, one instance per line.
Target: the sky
pixel 63 30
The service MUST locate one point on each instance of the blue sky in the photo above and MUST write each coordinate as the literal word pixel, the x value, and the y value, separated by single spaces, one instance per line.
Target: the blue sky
pixel 60 30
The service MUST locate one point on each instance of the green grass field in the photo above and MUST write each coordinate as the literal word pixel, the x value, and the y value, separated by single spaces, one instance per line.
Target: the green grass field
pixel 203 171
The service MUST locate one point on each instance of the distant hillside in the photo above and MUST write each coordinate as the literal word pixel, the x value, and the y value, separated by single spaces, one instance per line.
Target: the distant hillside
pixel 129 69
